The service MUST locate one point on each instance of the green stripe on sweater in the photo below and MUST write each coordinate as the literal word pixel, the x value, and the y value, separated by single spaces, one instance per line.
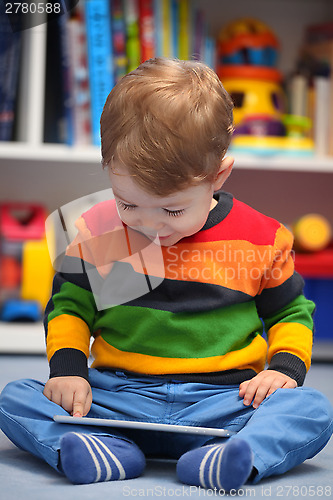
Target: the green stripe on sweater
pixel 299 310
pixel 183 335
pixel 75 301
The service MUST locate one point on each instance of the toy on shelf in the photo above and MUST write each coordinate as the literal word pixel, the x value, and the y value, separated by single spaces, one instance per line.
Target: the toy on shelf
pixel 248 41
pixel 312 233
pixel 25 268
pixel 314 261
pixel 247 56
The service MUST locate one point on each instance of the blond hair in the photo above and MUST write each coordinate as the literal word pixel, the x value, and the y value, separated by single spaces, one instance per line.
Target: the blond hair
pixel 169 122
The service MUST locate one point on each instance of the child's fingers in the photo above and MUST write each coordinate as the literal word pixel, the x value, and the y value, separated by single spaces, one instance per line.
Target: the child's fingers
pixel 87 405
pixel 53 394
pixel 250 391
pixel 290 384
pixel 242 388
pixel 264 384
pixel 256 392
pixel 261 393
pixel 264 388
pixel 66 400
pixel 81 402
pixel 78 407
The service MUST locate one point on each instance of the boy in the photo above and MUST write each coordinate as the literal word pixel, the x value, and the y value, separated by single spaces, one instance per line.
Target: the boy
pixel 191 350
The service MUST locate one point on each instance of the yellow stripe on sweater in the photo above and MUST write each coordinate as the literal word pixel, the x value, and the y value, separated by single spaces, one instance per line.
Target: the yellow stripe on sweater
pixel 293 338
pixel 66 331
pixel 106 356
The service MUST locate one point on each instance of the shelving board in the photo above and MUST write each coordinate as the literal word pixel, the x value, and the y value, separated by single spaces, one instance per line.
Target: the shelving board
pixel 17 152
pixel 49 152
pixel 24 338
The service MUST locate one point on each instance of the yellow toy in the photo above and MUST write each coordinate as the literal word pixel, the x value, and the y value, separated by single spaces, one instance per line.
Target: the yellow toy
pixel 253 93
pixel 37 272
pixel 312 233
pixel 247 53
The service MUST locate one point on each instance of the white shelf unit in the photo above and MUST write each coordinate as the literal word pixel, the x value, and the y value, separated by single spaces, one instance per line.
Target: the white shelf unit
pixel 282 187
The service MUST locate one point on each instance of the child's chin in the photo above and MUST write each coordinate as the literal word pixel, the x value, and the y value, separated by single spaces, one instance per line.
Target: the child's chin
pixel 169 241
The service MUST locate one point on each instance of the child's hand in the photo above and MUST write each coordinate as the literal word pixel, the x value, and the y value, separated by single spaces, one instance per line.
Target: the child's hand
pixel 73 394
pixel 264 384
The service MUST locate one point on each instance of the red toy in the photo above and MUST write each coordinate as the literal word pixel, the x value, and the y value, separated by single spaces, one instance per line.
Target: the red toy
pixel 22 286
pixel 22 221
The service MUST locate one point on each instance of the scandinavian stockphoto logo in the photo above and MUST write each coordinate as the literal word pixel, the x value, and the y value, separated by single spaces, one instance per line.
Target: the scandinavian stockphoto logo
pixel 87 239
pixel 30 13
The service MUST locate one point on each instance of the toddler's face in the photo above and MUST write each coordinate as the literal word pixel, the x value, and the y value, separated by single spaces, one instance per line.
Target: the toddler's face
pixel 171 218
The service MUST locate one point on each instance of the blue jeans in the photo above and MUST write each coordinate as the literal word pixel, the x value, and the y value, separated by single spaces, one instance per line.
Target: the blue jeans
pixel 289 426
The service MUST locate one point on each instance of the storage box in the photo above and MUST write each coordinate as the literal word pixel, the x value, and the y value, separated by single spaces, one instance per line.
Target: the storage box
pixel 320 290
pixel 317 271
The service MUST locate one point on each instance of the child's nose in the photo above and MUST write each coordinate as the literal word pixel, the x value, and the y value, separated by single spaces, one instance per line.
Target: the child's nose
pixel 151 223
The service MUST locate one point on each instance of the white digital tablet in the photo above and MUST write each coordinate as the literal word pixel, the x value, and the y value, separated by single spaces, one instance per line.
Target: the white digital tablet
pixel 148 426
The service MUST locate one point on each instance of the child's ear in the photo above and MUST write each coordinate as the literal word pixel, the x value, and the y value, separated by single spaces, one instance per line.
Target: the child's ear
pixel 224 172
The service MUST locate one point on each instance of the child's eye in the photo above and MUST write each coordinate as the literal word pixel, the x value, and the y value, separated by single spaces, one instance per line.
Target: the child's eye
pixel 125 206
pixel 175 213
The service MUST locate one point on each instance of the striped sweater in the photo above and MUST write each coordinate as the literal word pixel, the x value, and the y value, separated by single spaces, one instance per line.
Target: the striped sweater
pixel 225 302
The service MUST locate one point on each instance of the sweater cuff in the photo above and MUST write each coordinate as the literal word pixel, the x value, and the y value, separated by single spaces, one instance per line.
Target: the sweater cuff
pixel 290 365
pixel 69 363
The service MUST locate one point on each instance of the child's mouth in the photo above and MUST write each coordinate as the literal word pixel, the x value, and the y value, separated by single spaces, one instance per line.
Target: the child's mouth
pixel 152 237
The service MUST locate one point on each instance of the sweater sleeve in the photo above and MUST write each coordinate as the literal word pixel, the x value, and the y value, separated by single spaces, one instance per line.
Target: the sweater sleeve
pixel 286 313
pixel 70 313
pixel 82 287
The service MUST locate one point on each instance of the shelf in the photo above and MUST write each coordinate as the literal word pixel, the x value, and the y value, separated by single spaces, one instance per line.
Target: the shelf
pixel 25 338
pixel 49 152
pixel 313 164
pixel 20 151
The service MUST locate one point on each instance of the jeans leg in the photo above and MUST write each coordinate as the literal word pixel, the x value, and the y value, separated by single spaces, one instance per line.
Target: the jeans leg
pixel 26 417
pixel 289 427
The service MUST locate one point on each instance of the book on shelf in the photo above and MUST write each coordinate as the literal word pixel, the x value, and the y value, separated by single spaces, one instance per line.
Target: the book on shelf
pixel 100 41
pixel 210 53
pixel 298 95
pixel 146 29
pixel 165 27
pixel 174 31
pixel 131 11
pixel 161 28
pixel 185 29
pixel 10 52
pixel 100 59
pixel 198 34
pixel 79 77
pixel 158 34
pixel 67 78
pixel 55 115
pixel 118 29
pixel 322 52
pixel 321 118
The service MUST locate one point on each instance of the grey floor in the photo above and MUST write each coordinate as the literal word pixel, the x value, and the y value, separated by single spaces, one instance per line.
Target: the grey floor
pixel 24 476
